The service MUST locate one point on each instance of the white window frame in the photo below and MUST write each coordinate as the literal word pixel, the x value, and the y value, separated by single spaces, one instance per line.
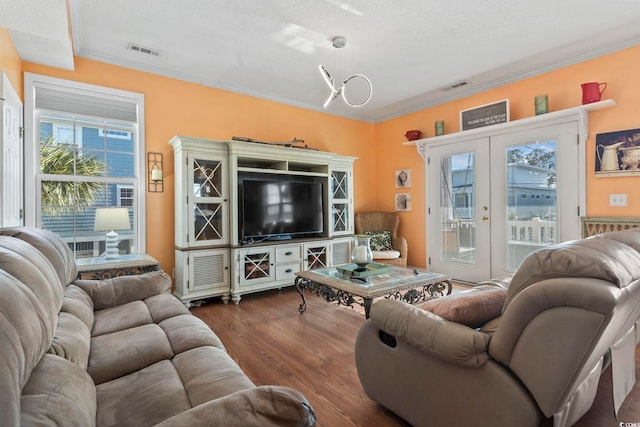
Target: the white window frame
pixel 32 144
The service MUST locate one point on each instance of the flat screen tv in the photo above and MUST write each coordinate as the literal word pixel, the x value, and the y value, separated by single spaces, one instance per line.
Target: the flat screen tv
pixel 280 209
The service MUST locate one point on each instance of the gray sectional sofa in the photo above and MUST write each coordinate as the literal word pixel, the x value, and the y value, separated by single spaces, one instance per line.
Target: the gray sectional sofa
pixel 115 352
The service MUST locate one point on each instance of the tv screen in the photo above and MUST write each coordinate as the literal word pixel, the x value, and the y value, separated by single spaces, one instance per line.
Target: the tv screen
pixel 281 208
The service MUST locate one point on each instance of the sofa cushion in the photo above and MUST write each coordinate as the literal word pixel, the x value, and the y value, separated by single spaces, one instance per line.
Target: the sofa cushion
pixel 79 303
pixel 72 340
pixel 29 266
pixel 597 258
pixel 187 332
pixel 124 289
pixel 121 317
pixel 58 393
pixel 51 246
pixel 24 336
pixel 473 307
pixel 209 373
pixel 380 240
pixel 142 398
pixel 259 406
pixel 123 352
pixel 430 333
pixel 501 281
pixel 164 306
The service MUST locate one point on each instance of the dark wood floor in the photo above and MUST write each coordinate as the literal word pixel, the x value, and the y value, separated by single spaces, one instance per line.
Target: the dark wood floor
pixel 313 353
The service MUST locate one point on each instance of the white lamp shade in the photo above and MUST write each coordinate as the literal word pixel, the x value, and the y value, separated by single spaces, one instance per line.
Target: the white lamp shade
pixel 108 219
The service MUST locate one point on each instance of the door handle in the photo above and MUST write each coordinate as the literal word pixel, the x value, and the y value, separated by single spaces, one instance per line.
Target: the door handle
pixel 485 218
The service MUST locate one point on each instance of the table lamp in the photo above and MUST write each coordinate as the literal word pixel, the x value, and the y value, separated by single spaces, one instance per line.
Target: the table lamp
pixel 111 219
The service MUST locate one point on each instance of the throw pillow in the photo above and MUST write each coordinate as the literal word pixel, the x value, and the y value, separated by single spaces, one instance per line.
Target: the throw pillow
pixel 473 308
pixel 380 240
pixel 385 254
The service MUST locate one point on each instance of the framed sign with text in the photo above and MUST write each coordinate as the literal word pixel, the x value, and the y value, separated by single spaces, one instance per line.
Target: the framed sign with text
pixel 485 115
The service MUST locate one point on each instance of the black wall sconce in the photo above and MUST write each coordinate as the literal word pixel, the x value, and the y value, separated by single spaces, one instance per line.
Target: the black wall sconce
pixel 155 180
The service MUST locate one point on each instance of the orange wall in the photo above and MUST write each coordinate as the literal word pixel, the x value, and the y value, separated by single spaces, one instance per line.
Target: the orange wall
pixel 176 107
pixel 10 62
pixel 563 87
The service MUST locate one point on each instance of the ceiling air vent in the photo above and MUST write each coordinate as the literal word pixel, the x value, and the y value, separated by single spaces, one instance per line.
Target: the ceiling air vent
pixel 456 85
pixel 137 48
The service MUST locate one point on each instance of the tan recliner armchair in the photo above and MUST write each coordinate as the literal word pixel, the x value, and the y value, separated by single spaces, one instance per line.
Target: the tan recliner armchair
pixel 570 310
pixel 377 221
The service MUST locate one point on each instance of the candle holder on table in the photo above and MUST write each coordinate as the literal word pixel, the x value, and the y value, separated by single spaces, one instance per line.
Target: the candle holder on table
pixel 361 254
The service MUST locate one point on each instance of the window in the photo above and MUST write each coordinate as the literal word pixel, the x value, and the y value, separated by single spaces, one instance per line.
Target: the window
pixel 65 133
pixel 119 134
pixel 125 195
pixel 86 151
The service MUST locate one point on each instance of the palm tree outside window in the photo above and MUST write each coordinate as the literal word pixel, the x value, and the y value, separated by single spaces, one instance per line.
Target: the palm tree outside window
pixel 85 164
pixel 84 149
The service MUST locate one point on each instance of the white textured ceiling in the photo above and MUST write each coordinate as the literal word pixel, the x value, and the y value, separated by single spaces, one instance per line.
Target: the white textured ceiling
pixel 411 50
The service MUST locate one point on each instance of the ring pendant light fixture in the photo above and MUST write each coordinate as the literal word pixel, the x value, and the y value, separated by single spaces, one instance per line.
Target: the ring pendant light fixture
pixel 338 43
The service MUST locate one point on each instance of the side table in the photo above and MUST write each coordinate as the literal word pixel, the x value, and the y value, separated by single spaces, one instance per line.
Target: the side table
pixel 125 265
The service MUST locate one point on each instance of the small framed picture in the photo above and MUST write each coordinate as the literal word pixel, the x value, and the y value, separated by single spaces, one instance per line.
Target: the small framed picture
pixel 618 153
pixel 403 202
pixel 403 178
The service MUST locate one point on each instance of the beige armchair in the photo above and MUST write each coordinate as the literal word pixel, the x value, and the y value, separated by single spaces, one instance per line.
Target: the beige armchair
pixel 535 359
pixel 377 221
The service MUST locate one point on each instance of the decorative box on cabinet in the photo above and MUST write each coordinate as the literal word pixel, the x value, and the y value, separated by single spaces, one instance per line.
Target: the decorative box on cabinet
pixel 202 274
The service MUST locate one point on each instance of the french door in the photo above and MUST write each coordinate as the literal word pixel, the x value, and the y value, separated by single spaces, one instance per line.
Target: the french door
pixel 495 199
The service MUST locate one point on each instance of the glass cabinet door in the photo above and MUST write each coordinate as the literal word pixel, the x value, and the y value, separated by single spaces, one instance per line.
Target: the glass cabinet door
pixel 256 266
pixel 341 213
pixel 316 255
pixel 208 201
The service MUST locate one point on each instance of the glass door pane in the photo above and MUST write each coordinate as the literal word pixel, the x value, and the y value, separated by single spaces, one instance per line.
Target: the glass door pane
pixel 531 199
pixel 458 225
pixel 535 196
pixel 457 208
pixel 207 178
pixel 207 200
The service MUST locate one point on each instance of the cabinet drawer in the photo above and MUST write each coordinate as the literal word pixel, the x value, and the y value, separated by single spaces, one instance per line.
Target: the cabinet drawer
pixel 288 254
pixel 287 271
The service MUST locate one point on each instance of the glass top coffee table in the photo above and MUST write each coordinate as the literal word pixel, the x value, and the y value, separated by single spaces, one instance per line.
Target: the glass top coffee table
pixel 402 283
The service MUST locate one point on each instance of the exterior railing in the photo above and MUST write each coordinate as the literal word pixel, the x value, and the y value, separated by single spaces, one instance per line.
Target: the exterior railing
pixel 536 231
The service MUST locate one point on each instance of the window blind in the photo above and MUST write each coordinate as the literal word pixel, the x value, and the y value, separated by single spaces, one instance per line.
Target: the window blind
pixel 86 103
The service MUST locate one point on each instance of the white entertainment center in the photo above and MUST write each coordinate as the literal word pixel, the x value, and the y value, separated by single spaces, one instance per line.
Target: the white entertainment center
pixel 211 257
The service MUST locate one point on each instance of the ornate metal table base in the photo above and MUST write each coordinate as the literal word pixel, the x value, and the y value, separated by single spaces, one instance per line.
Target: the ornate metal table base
pixel 412 296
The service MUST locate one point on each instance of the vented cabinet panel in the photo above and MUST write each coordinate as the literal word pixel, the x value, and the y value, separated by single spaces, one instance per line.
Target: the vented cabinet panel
pixel 341 251
pixel 208 270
